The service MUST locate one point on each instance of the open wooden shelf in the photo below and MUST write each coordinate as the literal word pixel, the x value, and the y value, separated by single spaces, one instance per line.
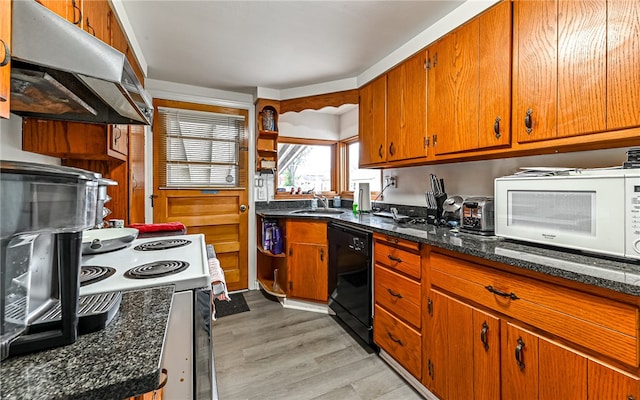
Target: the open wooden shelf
pixel 268 253
pixel 267 286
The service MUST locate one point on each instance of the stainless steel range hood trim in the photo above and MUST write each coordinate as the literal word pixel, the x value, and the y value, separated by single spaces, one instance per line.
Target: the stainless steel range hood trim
pixel 45 41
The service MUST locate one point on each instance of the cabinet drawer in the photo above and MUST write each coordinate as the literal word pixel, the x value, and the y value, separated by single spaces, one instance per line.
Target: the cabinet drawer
pixel 399 340
pixel 606 326
pixel 398 294
pixel 397 259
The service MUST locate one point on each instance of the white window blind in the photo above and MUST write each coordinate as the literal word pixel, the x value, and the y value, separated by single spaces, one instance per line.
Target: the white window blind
pixel 199 148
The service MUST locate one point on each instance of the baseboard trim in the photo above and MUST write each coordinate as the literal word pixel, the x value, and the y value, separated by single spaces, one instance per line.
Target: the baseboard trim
pixel 304 305
pixel 407 376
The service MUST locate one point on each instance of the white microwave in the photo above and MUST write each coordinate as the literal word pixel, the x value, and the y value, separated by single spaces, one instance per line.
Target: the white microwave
pixel 591 210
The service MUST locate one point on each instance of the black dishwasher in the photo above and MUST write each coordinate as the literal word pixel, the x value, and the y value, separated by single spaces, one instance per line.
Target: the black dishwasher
pixel 351 278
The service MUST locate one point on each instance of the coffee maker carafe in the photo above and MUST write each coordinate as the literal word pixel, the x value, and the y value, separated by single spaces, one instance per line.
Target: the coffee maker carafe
pixel 43 211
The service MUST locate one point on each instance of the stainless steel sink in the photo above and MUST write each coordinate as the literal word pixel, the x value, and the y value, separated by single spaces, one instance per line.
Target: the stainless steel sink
pixel 318 211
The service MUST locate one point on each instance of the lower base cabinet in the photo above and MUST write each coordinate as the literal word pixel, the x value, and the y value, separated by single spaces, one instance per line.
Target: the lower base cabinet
pixel 462 350
pixel 475 352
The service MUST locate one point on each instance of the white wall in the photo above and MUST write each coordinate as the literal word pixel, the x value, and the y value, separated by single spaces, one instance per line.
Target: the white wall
pixel 309 124
pixel 349 124
pixel 11 143
pixel 475 178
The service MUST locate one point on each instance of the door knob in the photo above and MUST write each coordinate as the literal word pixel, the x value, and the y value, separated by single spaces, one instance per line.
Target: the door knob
pixel 243 208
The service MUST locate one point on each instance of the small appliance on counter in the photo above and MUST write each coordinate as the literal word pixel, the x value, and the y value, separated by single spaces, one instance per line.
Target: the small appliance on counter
pixel 477 216
pixel 44 211
pixel 364 197
pixel 451 210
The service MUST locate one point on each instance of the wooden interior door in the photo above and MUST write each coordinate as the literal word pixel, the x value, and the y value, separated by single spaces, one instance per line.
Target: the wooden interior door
pixel 219 215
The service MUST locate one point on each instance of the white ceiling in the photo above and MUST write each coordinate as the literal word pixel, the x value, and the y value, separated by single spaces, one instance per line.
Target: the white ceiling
pixel 240 45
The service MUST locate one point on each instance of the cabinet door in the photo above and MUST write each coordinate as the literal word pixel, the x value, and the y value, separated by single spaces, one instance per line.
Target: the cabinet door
pixel 495 77
pixel 373 122
pixel 519 364
pixel 97 18
pixel 308 272
pixel 462 350
pixel 535 70
pixel 119 138
pixel 563 372
pixel 582 74
pixel 623 59
pixel 137 198
pixel 5 53
pixel 436 344
pixel 456 93
pixel 538 369
pixel 607 383
pixel 407 109
pixel 486 355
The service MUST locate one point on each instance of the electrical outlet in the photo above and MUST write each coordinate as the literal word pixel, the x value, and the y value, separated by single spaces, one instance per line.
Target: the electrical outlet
pixel 390 181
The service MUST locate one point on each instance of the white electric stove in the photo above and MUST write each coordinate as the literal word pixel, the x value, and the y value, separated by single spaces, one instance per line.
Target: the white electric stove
pixel 179 260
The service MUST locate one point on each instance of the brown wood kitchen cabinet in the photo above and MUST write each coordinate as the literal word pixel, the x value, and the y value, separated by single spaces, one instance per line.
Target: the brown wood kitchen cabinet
pixel 271 269
pixel 543 340
pixel 5 57
pixel 307 260
pixel 407 110
pixel 373 122
pixel 560 69
pixel 470 84
pixel 397 323
pixel 623 59
pixel 461 349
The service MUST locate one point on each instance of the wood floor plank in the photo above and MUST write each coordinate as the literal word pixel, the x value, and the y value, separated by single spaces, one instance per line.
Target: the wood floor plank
pixel 272 353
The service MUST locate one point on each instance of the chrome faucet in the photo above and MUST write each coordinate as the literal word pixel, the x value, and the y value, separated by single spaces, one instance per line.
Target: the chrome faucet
pixel 322 199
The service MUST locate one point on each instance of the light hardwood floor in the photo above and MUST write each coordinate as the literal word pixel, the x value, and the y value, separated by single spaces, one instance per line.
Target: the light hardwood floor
pixel 273 353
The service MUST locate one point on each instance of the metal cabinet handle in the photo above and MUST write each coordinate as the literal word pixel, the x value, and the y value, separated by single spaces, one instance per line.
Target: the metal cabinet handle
pixel 500 293
pixel 7 54
pixel 90 28
pixel 391 239
pixel 380 151
pixel 391 150
pixel 483 336
pixel 519 355
pixel 430 368
pixel 392 258
pixel 528 121
pixel 321 254
pixel 394 294
pixel 496 127
pixel 394 339
pixel 76 21
pixel 429 306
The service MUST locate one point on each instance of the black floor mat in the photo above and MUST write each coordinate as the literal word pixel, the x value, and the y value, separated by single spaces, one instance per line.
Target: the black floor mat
pixel 237 305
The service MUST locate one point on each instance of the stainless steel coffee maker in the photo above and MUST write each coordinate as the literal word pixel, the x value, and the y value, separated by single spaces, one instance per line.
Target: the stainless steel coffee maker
pixel 43 211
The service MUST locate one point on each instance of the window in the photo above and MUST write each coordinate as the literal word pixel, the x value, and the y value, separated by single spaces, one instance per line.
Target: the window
pixel 356 175
pixel 305 166
pixel 199 148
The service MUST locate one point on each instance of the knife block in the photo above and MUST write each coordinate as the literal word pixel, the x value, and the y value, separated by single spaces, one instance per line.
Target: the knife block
pixel 434 215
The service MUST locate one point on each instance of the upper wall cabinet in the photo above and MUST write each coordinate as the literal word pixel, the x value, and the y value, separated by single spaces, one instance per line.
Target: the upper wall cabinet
pixel 407 110
pixel 97 19
pixel 560 73
pixel 470 84
pixel 373 122
pixel 5 57
pixel 623 64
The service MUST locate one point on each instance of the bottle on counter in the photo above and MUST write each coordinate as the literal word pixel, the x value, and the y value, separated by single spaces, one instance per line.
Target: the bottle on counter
pixel 314 204
pixel 337 203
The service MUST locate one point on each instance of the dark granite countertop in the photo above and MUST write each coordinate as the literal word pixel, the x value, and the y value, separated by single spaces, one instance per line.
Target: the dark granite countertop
pixel 617 275
pixel 119 361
